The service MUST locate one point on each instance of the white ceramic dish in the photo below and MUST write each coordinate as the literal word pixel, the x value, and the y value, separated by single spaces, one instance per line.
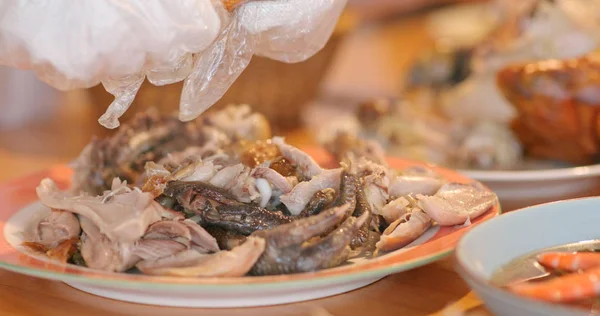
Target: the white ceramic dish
pixel 486 248
pixel 517 189
pixel 18 203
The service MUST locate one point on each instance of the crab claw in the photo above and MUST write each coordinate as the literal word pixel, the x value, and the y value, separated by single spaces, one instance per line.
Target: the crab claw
pixel 362 207
pixel 332 250
pixel 297 247
pixel 404 230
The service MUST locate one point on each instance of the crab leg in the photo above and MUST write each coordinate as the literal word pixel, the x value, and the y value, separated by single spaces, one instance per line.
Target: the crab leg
pixel 332 250
pixel 301 230
pixel 244 219
pixel 348 188
pixel 362 207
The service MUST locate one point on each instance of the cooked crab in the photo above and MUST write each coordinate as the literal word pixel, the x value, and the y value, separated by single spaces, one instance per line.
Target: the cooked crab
pixel 237 206
pixel 152 137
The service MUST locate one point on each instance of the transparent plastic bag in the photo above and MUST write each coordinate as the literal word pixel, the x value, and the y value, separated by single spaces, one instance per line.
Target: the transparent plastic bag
pixel 119 43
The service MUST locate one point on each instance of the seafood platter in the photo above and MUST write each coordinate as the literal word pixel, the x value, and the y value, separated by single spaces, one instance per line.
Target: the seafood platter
pixel 217 212
pixel 512 103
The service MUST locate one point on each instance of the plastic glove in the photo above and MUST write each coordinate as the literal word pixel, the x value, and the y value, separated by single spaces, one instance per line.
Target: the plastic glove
pixel 119 43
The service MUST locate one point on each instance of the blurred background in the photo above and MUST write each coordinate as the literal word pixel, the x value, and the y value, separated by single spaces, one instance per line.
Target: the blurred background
pixel 374 42
pixel 370 55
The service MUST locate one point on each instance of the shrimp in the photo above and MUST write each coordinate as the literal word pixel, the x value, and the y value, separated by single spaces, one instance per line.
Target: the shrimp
pixel 568 288
pixel 569 261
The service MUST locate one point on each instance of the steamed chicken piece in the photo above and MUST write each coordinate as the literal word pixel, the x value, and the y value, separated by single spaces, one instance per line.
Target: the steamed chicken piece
pixel 234 263
pixel 124 226
pixel 57 227
pixel 397 208
pixel 456 203
pixel 99 252
pixel 403 185
pixel 297 199
pixel 303 161
pixel 121 214
pixel 163 238
pixel 278 181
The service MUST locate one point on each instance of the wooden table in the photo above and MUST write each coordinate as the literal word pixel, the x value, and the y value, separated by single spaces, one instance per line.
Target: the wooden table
pixel 59 139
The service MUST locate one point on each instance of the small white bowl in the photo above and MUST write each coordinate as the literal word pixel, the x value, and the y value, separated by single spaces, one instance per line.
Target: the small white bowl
pixel 518 189
pixel 491 245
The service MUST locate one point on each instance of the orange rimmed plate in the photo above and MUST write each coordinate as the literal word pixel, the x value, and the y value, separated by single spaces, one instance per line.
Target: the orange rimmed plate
pixel 18 203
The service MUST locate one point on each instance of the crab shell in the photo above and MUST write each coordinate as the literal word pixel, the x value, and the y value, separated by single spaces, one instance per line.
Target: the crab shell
pixel 558 107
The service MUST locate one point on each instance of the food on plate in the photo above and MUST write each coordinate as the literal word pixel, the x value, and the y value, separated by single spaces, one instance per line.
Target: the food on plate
pixel 454 112
pixel 152 137
pixel 415 130
pixel 221 197
pixel 577 278
pixel 557 102
pixel 528 31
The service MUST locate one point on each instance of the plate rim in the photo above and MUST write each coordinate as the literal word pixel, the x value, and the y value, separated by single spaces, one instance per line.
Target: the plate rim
pixel 569 173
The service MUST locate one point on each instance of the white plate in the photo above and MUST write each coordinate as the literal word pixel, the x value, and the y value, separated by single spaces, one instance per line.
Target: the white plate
pixel 517 189
pixel 18 203
pixel 491 245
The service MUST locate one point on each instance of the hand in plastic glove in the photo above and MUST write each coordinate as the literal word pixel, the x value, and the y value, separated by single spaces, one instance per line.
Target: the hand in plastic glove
pixel 78 44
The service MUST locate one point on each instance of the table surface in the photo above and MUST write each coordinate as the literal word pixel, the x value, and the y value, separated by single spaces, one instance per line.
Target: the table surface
pixel 60 137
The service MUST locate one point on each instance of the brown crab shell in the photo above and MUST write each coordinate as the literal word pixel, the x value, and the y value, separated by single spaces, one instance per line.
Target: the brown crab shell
pixel 558 104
